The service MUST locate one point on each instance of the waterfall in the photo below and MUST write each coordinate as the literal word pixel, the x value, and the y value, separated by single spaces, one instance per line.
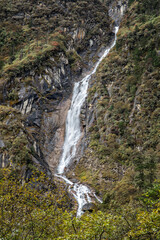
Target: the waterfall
pixel 81 192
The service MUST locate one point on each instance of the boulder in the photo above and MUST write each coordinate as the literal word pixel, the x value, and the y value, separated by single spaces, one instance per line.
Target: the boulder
pixel 89 207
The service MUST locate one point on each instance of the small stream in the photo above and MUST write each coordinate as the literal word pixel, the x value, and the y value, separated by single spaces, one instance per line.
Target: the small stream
pixel 81 193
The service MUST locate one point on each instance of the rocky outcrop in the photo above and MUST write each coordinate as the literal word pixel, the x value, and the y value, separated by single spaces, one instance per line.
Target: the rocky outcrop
pixel 53 132
pixel 90 207
pixel 117 10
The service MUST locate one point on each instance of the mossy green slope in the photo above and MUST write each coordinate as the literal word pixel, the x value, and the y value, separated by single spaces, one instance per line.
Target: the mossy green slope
pixel 32 29
pixel 124 149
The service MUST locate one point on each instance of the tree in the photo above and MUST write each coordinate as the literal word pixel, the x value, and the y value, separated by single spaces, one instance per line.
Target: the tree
pixel 148 218
pixel 33 210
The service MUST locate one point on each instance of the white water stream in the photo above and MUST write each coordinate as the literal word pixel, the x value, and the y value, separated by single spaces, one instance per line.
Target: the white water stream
pixel 81 192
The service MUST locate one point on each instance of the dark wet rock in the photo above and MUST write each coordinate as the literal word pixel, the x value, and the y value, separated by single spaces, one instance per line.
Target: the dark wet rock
pixel 55 96
pixel 89 207
pixel 74 180
pixel 34 118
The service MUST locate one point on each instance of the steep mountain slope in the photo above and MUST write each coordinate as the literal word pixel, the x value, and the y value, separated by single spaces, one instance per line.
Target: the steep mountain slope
pixel 122 114
pixel 120 119
pixel 44 46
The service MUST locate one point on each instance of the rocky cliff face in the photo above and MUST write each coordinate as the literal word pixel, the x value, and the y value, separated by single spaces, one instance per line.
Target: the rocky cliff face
pixel 44 47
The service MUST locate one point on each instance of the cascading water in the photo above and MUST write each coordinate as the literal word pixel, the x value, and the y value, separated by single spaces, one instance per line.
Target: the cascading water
pixel 81 192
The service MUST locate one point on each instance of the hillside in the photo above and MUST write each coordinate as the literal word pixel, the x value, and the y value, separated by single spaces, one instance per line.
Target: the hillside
pixel 122 113
pixel 45 47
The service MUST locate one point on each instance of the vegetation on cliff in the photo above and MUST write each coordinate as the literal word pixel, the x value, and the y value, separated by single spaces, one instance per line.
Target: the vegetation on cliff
pixel 122 159
pixel 38 210
pixel 40 48
pixel 32 29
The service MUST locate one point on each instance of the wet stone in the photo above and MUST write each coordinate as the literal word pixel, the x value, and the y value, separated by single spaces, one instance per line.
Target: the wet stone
pixel 90 207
